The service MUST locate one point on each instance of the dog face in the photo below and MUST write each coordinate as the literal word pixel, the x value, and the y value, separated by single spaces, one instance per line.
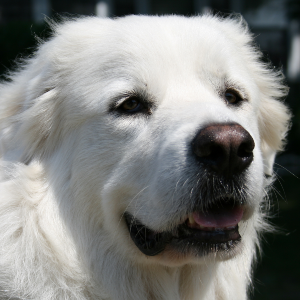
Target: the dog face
pixel 167 127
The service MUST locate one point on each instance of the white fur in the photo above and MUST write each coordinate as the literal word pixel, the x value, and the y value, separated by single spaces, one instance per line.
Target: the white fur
pixel 70 168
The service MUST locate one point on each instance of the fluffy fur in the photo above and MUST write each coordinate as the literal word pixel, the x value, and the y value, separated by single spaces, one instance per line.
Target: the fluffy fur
pixel 71 165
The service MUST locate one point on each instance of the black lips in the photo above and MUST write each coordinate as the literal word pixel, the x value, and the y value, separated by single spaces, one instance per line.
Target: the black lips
pixel 145 239
pixel 182 238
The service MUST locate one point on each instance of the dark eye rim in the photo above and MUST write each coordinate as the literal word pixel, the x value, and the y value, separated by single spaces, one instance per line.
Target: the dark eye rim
pixel 144 106
pixel 239 98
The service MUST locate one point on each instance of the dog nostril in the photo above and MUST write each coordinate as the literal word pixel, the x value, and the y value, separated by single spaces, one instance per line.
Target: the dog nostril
pixel 246 149
pixel 207 150
pixel 224 148
pixel 217 152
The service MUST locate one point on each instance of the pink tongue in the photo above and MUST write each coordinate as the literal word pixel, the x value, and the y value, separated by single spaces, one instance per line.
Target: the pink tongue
pixel 223 217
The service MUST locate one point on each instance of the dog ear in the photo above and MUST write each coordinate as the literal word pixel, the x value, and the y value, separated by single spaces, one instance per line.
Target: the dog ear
pixel 274 122
pixel 30 112
pixel 38 125
pixel 33 100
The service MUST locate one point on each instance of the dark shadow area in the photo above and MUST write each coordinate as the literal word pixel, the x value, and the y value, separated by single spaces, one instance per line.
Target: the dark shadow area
pixel 277 275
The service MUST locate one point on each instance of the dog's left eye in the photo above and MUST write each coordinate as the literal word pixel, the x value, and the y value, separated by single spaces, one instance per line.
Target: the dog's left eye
pixel 232 97
pixel 131 105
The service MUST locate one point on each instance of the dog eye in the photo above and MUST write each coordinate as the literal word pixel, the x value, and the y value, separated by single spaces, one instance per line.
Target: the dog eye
pixel 131 105
pixel 232 97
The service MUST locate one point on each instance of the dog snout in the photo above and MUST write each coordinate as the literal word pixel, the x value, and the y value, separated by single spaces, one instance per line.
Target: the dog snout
pixel 224 148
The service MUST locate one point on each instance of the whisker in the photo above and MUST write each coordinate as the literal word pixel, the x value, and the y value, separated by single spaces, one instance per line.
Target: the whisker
pixel 286 170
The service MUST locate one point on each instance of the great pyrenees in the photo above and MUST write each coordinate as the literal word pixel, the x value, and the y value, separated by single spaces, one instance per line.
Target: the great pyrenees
pixel 136 155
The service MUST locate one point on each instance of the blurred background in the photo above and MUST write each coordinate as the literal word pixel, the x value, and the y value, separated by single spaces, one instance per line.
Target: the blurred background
pixel 276 25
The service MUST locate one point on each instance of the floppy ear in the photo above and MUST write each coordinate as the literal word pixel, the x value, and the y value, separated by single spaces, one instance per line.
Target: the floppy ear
pixel 29 111
pixel 274 122
pixel 33 110
pixel 41 125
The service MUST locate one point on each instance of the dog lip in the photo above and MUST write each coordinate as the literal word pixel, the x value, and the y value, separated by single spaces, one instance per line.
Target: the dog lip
pixel 147 241
pixel 151 242
pixel 216 236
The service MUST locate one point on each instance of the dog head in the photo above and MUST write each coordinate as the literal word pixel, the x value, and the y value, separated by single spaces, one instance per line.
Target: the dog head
pixel 160 130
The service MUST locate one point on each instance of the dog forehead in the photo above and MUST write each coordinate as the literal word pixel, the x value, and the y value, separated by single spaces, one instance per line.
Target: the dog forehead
pixel 157 50
pixel 155 44
pixel 170 45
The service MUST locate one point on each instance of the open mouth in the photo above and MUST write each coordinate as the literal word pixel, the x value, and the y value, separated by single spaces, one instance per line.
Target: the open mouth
pixel 212 230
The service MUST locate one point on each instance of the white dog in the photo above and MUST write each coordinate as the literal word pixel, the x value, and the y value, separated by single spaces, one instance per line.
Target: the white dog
pixel 135 158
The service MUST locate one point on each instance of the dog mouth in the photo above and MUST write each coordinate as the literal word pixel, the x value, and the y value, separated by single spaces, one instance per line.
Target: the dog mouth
pixel 206 231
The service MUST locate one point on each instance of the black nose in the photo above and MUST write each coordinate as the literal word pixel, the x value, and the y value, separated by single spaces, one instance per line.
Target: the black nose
pixel 224 148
